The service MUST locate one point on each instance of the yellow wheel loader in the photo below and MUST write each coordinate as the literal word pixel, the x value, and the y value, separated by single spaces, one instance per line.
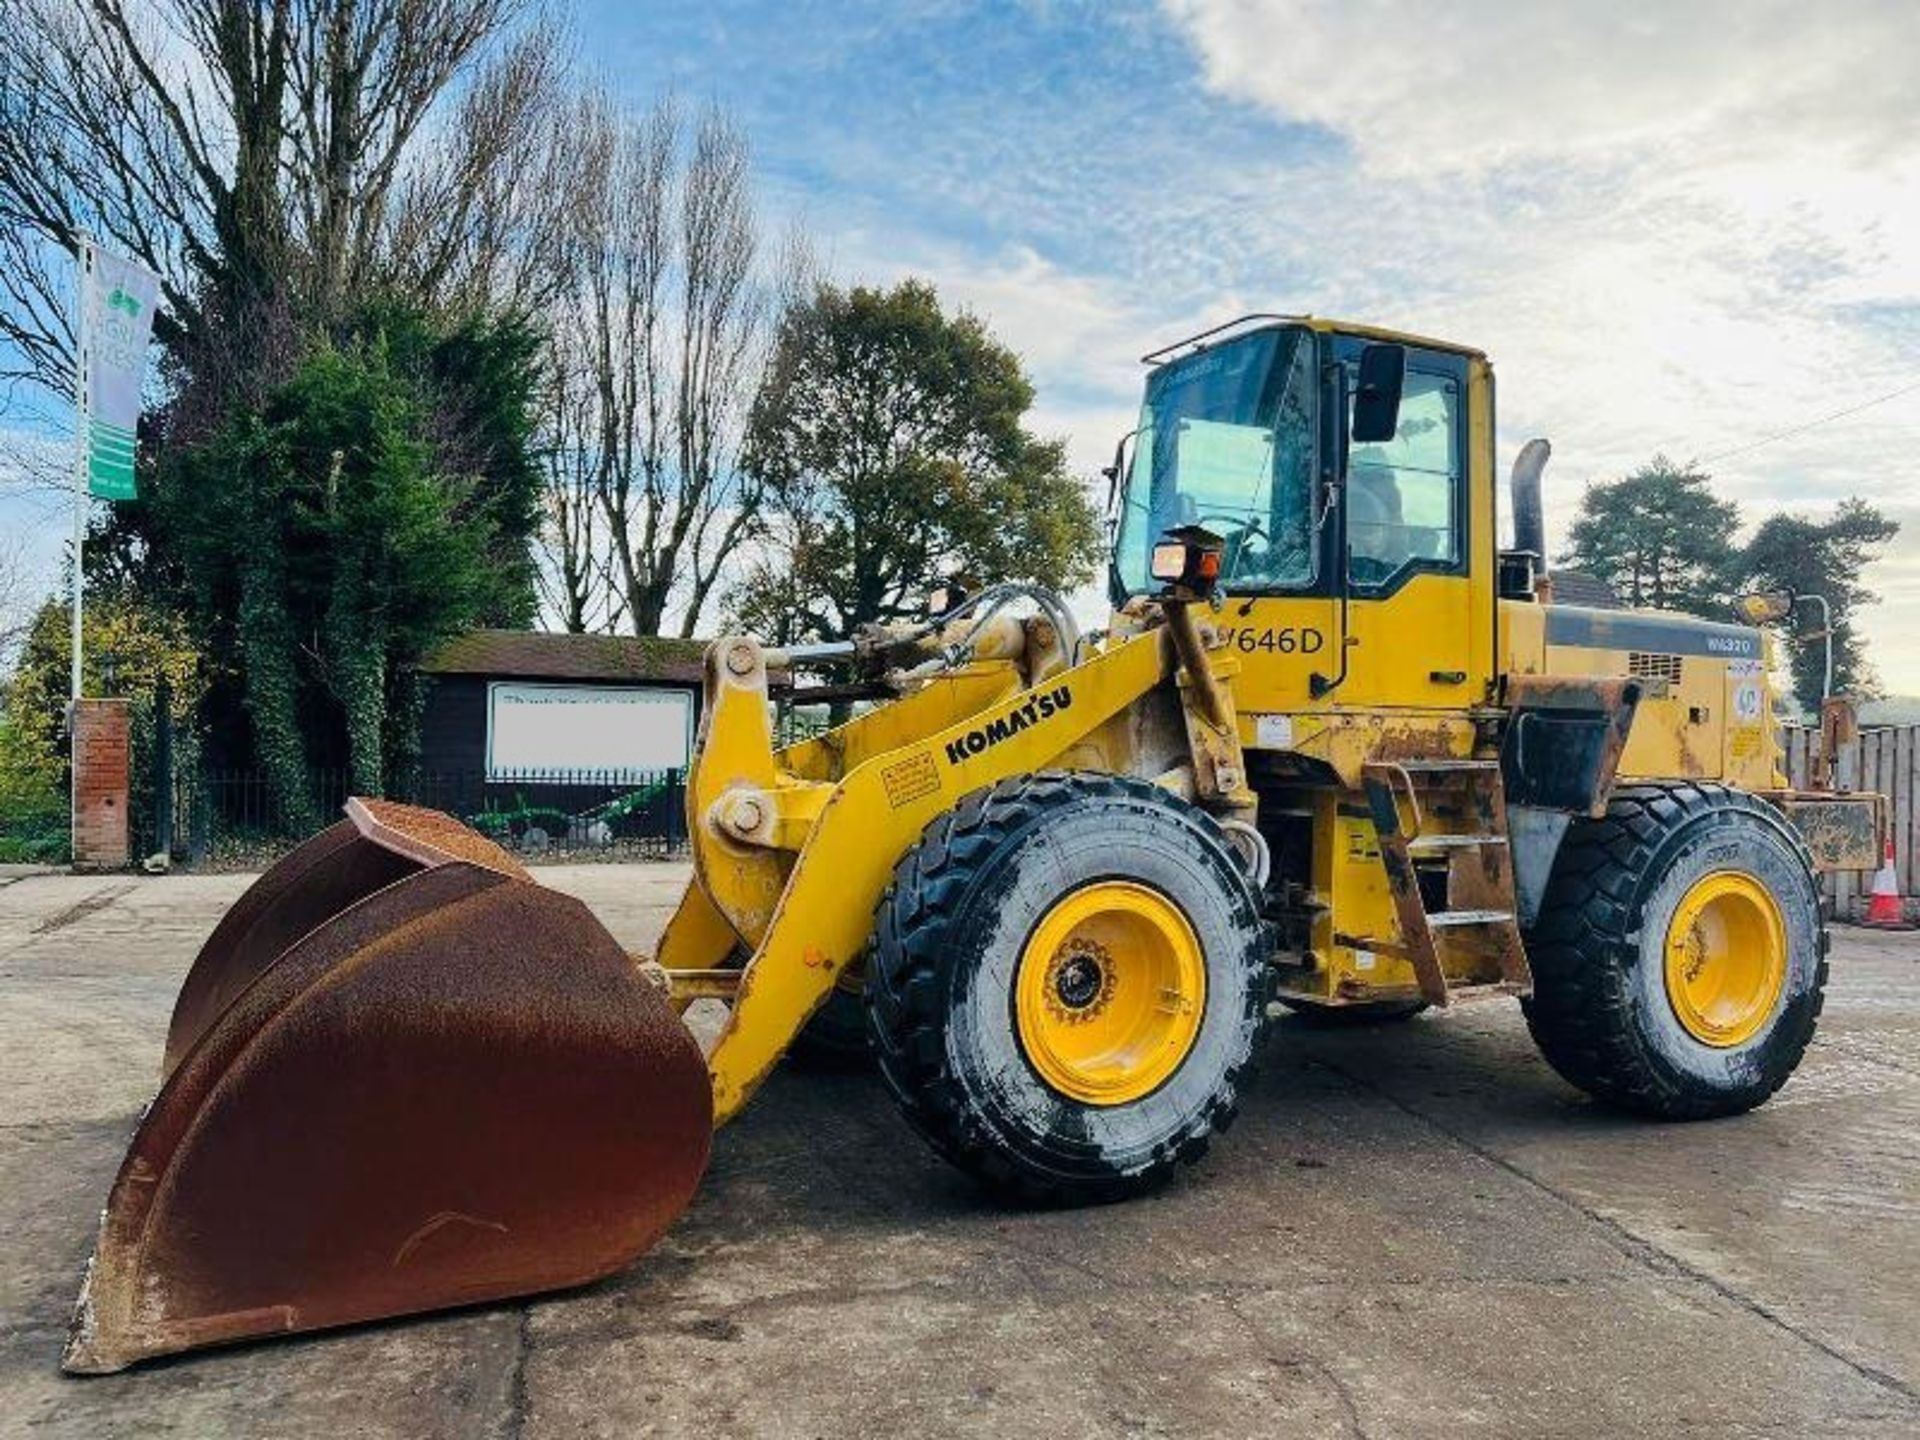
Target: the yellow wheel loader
pixel 1334 751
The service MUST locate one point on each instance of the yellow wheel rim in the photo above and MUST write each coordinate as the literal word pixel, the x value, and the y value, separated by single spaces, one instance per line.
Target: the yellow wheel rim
pixel 1110 992
pixel 1726 958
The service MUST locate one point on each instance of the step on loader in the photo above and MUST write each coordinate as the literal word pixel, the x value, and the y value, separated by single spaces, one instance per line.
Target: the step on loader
pixel 1334 752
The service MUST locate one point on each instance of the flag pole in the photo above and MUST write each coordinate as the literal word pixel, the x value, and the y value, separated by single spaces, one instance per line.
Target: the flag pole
pixel 83 333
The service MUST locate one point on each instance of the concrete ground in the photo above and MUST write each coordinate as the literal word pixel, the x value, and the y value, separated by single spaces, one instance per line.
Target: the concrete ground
pixel 1413 1230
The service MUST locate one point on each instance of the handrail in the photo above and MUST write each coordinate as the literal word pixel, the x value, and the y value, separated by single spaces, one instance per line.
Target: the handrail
pixel 1154 356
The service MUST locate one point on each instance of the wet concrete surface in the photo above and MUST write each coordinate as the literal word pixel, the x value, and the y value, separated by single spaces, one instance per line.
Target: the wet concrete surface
pixel 1413 1230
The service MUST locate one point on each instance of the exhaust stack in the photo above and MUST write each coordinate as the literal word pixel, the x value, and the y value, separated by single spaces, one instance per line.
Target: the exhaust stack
pixel 1529 520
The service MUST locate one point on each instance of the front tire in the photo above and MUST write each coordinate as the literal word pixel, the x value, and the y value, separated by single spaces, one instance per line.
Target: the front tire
pixel 1067 984
pixel 1679 958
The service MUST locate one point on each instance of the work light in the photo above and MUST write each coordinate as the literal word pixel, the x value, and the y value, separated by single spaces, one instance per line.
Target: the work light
pixel 1187 562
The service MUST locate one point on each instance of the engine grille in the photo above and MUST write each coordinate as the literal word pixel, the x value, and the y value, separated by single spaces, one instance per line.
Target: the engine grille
pixel 1652 665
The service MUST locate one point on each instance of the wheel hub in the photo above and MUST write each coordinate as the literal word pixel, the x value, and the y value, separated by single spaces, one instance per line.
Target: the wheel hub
pixel 1080 978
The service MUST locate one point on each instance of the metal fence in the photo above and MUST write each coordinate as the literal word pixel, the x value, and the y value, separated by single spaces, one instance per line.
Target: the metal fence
pixel 239 817
pixel 1884 762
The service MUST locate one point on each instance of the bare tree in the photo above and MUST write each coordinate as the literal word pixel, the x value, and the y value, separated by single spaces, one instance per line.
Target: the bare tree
pixel 272 160
pixel 18 596
pixel 476 218
pixel 662 330
pixel 90 143
pixel 577 586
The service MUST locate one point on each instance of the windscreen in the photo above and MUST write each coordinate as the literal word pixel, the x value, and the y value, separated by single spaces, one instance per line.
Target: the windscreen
pixel 1226 441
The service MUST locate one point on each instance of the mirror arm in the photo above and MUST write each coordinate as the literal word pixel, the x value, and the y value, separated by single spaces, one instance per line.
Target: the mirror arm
pixel 1826 633
pixel 1117 469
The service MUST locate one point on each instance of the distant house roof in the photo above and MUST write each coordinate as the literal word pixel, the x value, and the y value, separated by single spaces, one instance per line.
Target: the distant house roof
pixel 536 655
pixel 1576 587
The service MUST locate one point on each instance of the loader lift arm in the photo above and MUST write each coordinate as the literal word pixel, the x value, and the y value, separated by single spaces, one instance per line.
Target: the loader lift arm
pixel 796 867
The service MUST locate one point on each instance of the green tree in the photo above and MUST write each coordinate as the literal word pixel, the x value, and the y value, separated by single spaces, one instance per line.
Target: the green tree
pixel 309 178
pixel 1815 557
pixel 889 438
pixel 376 504
pixel 146 645
pixel 33 801
pixel 1659 537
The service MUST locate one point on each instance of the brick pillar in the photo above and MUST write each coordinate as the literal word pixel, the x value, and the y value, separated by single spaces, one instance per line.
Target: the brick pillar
pixel 100 767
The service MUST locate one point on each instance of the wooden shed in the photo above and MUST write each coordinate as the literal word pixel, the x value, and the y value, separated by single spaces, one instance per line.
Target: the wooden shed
pixel 509 704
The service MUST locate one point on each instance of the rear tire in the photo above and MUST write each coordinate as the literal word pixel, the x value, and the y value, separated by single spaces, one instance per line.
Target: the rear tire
pixel 950 985
pixel 835 1035
pixel 1612 1010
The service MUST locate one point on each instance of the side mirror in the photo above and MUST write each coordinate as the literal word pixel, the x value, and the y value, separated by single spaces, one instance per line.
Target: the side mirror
pixel 1376 398
pixel 1763 607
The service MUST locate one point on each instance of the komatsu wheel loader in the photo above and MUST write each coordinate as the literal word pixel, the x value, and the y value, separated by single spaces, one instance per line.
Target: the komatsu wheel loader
pixel 1334 751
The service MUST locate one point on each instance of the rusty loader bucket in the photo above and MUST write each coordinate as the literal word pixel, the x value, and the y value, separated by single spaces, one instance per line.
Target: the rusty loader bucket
pixel 400 1076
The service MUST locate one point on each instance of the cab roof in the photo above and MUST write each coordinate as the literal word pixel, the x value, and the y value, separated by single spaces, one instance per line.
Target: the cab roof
pixel 1206 339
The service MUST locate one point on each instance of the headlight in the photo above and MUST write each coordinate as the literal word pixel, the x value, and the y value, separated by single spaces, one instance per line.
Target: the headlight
pixel 1169 560
pixel 1187 561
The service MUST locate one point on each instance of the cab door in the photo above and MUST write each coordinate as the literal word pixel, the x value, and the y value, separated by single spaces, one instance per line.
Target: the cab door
pixel 1417 633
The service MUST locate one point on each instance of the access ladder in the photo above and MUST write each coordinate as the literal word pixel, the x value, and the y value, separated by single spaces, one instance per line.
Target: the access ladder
pixel 1452 811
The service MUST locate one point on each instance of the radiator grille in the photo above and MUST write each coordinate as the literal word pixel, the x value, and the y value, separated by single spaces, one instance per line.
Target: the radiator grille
pixel 1652 665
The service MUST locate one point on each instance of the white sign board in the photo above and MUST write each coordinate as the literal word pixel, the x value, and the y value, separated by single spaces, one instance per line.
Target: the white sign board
pixel 552 729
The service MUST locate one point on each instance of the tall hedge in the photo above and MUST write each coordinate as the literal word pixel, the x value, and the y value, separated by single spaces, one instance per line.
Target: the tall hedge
pixel 379 502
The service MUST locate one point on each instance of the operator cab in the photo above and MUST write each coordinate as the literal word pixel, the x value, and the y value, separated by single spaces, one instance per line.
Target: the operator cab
pixel 1237 435
pixel 1346 472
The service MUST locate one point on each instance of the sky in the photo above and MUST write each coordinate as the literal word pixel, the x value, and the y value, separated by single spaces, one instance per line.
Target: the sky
pixel 1677 228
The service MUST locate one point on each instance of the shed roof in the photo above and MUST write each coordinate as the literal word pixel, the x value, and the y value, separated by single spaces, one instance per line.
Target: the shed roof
pixel 1576 587
pixel 539 655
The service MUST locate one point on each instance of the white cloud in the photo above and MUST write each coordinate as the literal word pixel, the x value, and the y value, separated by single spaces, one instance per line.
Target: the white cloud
pixel 1421 88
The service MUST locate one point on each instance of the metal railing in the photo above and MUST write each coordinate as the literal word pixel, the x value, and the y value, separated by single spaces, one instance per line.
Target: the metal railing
pixel 230 818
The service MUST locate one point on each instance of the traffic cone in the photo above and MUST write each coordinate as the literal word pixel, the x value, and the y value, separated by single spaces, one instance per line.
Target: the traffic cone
pixel 1884 910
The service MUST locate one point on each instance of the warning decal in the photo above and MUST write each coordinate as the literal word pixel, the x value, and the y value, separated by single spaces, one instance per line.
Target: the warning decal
pixel 913 778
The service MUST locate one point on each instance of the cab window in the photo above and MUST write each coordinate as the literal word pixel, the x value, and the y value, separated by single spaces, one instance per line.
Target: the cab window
pixel 1403 495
